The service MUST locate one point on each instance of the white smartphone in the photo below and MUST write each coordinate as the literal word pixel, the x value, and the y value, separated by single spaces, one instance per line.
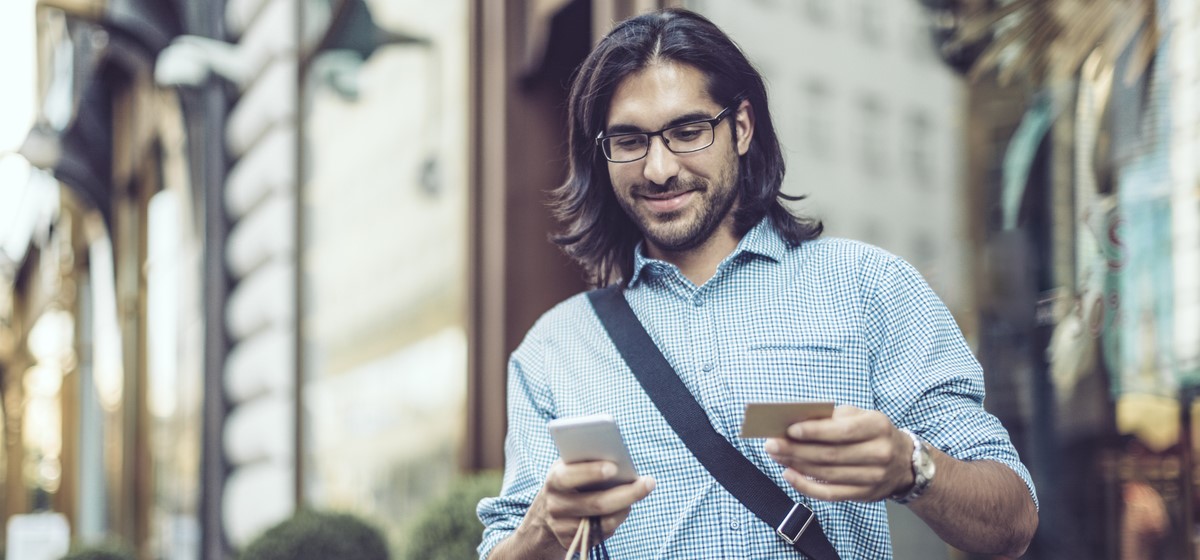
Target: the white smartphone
pixel 593 438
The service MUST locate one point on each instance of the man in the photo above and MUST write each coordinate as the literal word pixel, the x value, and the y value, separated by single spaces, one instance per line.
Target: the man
pixel 674 191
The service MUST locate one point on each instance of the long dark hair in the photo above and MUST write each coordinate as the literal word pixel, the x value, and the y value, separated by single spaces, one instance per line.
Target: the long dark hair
pixel 597 233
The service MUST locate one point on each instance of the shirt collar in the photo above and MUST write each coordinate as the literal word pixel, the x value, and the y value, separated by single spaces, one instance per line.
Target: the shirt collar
pixel 762 240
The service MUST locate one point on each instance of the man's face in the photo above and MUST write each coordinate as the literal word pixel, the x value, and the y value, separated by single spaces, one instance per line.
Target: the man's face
pixel 677 200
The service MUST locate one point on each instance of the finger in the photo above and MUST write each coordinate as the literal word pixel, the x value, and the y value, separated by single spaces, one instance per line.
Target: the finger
pixel 566 528
pixel 801 454
pixel 599 503
pixel 604 527
pixel 828 491
pixel 566 531
pixel 565 477
pixel 847 425
pixel 563 510
pixel 862 476
pixel 609 523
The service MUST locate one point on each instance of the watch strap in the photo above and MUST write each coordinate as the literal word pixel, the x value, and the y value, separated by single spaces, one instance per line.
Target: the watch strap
pixel 922 467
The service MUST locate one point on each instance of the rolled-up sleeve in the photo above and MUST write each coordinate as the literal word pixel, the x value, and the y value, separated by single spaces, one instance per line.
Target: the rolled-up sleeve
pixel 925 377
pixel 528 449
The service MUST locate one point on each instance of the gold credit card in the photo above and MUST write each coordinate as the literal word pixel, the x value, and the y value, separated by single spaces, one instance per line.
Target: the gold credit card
pixel 769 420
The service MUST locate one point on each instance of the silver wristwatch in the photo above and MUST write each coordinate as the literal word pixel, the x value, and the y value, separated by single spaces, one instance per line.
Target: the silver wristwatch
pixel 923 470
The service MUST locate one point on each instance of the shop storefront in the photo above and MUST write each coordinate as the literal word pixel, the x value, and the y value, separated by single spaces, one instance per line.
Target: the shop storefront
pixel 100 362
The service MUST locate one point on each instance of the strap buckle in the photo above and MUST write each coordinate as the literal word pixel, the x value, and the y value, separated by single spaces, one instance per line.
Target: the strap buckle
pixel 786 527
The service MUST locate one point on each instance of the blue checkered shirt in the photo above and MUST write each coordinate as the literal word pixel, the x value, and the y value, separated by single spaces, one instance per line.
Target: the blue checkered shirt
pixel 830 319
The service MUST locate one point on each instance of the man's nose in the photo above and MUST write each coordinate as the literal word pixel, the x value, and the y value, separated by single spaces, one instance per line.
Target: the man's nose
pixel 661 163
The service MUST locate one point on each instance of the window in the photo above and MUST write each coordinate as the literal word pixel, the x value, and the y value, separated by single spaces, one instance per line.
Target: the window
pixel 924 251
pixel 819 11
pixel 175 348
pixel 918 147
pixel 919 31
pixel 816 120
pixel 871 21
pixel 871 135
pixel 873 232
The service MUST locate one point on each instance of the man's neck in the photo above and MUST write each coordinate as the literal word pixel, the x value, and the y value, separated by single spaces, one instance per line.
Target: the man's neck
pixel 700 263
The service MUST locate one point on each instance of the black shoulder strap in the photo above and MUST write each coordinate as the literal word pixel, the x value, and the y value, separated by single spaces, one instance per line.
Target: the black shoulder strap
pixel 793 522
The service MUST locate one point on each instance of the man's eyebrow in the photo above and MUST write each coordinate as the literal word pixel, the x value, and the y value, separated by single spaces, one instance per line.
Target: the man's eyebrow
pixel 622 128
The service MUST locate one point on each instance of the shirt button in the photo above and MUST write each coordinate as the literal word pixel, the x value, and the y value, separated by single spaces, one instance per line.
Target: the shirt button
pixel 735 525
pixel 698 301
pixel 709 366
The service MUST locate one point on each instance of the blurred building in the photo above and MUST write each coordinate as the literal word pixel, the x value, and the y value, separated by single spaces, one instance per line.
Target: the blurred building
pixel 282 248
pixel 1085 222
pixel 870 120
pixel 102 370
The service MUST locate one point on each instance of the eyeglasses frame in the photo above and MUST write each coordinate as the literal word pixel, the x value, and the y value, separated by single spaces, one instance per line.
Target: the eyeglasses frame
pixel 713 122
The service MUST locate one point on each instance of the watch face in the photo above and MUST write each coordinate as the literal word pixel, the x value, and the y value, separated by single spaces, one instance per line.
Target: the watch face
pixel 923 469
pixel 923 465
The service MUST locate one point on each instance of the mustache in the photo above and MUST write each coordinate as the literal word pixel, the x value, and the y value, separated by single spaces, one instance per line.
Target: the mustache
pixel 674 185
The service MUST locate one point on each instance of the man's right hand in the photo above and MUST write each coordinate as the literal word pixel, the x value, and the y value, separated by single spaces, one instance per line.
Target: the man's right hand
pixel 553 517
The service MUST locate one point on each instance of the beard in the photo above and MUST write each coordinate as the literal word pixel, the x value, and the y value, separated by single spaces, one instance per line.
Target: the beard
pixel 689 227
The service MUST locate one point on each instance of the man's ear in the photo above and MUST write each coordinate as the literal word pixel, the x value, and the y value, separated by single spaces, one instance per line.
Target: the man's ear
pixel 744 123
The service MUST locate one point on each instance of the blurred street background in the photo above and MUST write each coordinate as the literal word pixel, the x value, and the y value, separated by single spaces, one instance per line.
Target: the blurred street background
pixel 259 256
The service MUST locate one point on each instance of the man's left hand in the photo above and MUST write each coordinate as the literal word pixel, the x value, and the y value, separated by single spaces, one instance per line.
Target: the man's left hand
pixel 854 455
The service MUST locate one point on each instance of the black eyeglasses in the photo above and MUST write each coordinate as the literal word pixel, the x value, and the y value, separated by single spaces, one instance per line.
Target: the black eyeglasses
pixel 680 139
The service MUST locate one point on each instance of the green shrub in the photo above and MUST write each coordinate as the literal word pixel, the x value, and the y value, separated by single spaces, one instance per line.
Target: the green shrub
pixel 101 552
pixel 313 535
pixel 447 529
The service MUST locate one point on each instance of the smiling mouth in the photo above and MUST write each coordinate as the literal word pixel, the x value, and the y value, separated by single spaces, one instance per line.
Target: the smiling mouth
pixel 667 202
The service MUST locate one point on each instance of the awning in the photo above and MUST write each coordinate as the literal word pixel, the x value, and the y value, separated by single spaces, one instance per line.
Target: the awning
pixel 82 154
pixel 85 147
pixel 151 24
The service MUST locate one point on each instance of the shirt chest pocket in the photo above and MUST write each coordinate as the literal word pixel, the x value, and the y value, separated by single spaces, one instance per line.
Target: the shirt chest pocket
pixel 830 364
